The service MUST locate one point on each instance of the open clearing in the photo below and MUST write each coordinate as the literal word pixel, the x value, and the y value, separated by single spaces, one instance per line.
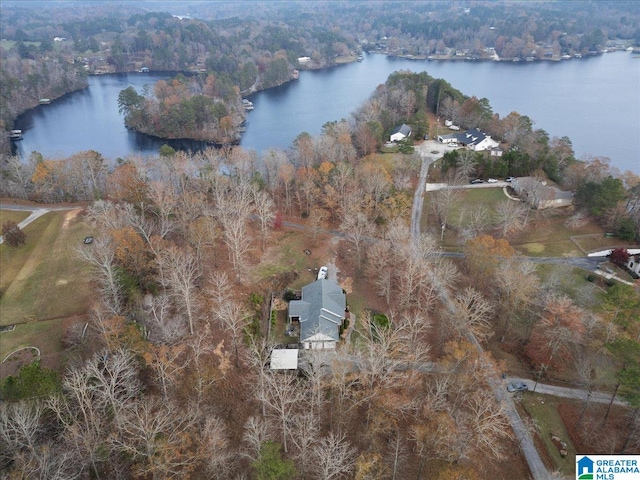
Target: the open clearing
pixel 543 410
pixel 13 215
pixel 44 279
pixel 546 235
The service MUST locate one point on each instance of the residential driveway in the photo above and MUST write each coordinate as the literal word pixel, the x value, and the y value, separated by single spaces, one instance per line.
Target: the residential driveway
pixel 429 151
pixel 35 213
pixel 565 392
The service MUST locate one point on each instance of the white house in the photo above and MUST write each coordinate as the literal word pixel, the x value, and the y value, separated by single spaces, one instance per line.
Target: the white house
pixel 449 138
pixel 400 132
pixel 472 138
pixel 633 264
pixel 477 140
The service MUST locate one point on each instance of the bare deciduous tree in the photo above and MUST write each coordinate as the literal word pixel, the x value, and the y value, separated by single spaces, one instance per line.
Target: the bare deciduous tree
pixel 473 312
pixel 101 256
pixel 161 440
pixel 281 395
pixel 235 319
pixel 181 273
pixel 265 210
pixel 334 457
pixel 356 227
pixel 512 216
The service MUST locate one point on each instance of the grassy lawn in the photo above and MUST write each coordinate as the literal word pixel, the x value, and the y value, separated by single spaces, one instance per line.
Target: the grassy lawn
pixel 285 254
pixel 568 280
pixel 551 237
pixel 44 279
pixel 543 410
pixel 13 215
pixel 599 241
pixel 45 335
pixel 8 44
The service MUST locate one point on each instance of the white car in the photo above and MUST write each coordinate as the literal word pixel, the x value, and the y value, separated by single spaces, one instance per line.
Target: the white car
pixel 322 273
pixel 492 180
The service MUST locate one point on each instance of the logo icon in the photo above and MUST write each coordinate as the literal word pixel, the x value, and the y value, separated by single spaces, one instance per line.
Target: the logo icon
pixel 585 469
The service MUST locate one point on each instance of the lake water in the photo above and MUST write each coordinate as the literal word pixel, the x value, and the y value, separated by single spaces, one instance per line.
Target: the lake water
pixel 595 101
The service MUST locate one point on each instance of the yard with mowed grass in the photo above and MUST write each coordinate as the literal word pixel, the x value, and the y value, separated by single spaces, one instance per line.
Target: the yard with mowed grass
pixel 548 233
pixel 475 197
pixel 46 336
pixel 45 279
pixel 13 215
pixel 543 410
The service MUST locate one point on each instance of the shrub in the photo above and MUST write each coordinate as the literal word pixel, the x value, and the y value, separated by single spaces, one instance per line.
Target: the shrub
pixel 12 234
pixel 32 381
pixel 289 295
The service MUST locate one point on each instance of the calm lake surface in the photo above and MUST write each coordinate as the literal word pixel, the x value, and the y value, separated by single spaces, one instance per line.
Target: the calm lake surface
pixel 595 101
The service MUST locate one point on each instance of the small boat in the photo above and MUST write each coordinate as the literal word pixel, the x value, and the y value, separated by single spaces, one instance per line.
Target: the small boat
pixel 45 101
pixel 359 58
pixel 247 104
pixel 295 74
pixel 15 134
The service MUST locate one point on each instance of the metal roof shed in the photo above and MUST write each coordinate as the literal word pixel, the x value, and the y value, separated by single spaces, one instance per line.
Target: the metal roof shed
pixel 284 359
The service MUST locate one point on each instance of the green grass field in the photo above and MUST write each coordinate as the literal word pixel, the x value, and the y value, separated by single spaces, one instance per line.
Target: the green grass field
pixel 543 410
pixel 45 279
pixel 12 215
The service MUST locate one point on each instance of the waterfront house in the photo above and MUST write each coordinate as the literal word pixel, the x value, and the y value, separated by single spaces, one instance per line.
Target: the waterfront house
pixel 400 132
pixel 540 195
pixel 473 139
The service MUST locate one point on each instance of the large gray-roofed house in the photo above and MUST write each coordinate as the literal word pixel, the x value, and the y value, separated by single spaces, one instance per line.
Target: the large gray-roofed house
pixel 540 195
pixel 320 312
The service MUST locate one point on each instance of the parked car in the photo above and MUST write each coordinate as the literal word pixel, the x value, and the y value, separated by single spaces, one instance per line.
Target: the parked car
pixel 517 387
pixel 452 145
pixel 477 180
pixel 510 179
pixel 492 180
pixel 322 273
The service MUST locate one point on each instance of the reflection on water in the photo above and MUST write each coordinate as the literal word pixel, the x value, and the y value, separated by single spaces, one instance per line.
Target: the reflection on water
pixel 591 101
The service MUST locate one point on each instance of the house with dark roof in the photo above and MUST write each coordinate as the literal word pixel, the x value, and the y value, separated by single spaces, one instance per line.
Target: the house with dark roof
pixel 473 138
pixel 400 132
pixel 320 312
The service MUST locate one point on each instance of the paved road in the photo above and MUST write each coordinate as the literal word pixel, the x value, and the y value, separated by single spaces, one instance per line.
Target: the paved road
pixel 536 466
pixel 565 392
pixel 429 151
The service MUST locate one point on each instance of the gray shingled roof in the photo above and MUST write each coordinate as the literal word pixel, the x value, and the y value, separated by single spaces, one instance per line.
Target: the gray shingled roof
pixel 321 309
pixel 403 129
